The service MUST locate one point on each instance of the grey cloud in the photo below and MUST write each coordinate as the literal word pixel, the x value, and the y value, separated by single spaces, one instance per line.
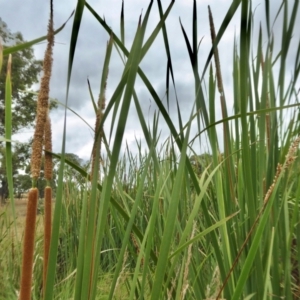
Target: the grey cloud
pixel 90 51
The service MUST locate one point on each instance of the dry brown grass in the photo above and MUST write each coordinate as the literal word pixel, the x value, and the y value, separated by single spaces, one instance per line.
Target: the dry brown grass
pixel 21 208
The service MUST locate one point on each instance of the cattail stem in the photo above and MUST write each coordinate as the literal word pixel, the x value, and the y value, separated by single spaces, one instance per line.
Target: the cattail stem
pixel 28 250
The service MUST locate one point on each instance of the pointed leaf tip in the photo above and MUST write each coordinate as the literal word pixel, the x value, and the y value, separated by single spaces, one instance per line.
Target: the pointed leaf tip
pixel 122 10
pixel 9 65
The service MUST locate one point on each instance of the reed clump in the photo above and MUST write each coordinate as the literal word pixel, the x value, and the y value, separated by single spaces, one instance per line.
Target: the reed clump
pixel 156 225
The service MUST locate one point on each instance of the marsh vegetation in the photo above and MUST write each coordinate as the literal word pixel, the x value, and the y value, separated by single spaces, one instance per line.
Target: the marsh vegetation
pixel 170 222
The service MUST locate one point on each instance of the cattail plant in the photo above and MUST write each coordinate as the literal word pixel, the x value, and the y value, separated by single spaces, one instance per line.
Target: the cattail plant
pixel 36 158
pixel 93 203
pixel 281 168
pixel 99 112
pixel 98 130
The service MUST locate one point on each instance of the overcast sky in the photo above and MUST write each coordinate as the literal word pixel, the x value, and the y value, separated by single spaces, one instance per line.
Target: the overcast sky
pixel 31 18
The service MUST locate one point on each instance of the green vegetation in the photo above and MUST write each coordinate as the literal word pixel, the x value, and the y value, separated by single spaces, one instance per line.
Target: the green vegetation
pixel 171 223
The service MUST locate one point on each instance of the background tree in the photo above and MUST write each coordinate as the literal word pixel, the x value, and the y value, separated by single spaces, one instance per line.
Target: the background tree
pixel 23 183
pixel 25 72
pixel 20 159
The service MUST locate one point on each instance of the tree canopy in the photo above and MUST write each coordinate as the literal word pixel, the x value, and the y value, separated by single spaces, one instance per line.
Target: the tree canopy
pixel 20 158
pixel 25 72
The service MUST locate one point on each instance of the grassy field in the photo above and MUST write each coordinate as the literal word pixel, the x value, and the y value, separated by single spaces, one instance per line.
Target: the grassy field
pixel 20 208
pixel 169 222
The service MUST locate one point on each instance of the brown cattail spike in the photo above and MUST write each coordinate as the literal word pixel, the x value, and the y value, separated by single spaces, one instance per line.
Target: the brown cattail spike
pixel 100 109
pixel 28 248
pixel 48 147
pixel 42 104
pixel 98 130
